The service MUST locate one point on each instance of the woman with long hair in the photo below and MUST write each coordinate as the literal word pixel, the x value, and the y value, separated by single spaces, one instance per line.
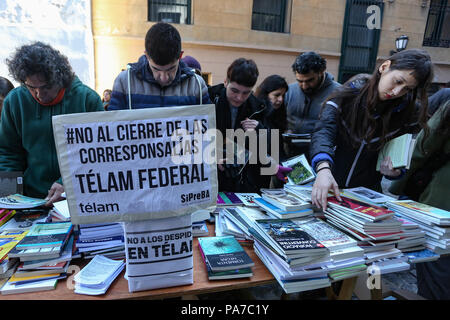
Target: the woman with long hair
pixel 358 119
pixel 271 91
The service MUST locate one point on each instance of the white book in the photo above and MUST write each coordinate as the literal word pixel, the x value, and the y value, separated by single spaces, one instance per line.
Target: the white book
pixel 367 195
pixel 301 170
pixel 399 149
pixel 247 198
pixel 43 285
pixel 286 202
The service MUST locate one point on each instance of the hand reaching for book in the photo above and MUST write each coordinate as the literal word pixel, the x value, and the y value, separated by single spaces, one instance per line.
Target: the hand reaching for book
pixel 54 194
pixel 386 168
pixel 324 182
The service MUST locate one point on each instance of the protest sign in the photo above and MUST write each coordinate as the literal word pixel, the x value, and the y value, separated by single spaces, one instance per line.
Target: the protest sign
pixel 159 253
pixel 140 164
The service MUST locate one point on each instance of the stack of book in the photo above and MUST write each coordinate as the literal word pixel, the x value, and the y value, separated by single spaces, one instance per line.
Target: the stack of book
pixel 237 221
pixel 297 260
pixel 42 243
pixel 224 258
pixel 279 204
pixel 96 277
pixel 6 215
pixel 363 221
pixel 346 256
pixel 8 240
pixel 60 211
pixel 413 238
pixel 386 261
pixel 106 239
pixel 301 192
pixel 433 221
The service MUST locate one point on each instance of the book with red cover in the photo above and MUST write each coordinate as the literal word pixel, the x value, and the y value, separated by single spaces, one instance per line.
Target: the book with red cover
pixel 362 209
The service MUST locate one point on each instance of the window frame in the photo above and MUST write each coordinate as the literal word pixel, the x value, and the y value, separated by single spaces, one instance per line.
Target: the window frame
pixel 175 5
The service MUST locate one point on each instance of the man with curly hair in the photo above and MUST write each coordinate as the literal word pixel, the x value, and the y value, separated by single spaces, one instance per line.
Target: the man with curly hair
pixel 49 87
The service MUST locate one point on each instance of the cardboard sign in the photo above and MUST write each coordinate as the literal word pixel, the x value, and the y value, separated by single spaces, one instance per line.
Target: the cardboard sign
pixel 134 165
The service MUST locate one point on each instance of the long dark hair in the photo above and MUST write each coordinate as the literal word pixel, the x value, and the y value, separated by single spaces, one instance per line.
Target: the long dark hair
pixel 271 83
pixel 359 97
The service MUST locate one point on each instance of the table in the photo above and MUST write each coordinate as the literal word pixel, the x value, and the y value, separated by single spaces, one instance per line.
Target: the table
pixel 119 288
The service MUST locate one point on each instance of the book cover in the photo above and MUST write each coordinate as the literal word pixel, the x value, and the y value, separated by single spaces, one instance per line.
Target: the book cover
pixel 220 200
pixel 228 274
pixel 301 170
pixel 234 198
pixel 423 208
pixel 288 236
pixel 8 241
pixel 44 235
pixel 286 202
pixel 224 253
pixel 326 234
pixel 280 213
pixel 399 149
pixel 363 209
pixel 247 198
pixel 18 201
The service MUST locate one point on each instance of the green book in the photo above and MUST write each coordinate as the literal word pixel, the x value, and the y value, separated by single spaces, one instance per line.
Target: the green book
pixel 399 149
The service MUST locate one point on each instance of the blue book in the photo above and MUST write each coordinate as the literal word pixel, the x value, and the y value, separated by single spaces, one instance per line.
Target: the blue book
pixel 280 213
pixel 224 253
pixel 424 255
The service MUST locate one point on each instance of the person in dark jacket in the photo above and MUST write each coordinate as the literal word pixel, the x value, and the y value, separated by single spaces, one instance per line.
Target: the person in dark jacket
pixel 305 97
pixel 361 116
pixel 48 88
pixel 159 78
pixel 5 87
pixel 237 108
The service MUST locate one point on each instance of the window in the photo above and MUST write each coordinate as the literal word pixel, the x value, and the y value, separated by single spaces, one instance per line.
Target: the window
pixel 437 30
pixel 270 15
pixel 171 11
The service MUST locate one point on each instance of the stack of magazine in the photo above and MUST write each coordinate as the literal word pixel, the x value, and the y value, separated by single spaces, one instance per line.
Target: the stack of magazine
pixel 280 204
pixel 433 221
pixel 296 259
pixel 106 239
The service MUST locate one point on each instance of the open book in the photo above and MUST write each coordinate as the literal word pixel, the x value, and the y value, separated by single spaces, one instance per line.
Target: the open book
pixel 399 149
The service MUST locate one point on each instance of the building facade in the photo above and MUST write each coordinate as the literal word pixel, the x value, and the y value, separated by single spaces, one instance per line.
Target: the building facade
pixel 353 35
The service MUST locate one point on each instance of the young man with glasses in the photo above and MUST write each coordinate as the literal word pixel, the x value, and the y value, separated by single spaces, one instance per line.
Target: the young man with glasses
pixel 49 87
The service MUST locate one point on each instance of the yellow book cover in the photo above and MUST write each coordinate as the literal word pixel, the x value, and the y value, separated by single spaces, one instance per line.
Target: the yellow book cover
pixel 15 278
pixel 8 240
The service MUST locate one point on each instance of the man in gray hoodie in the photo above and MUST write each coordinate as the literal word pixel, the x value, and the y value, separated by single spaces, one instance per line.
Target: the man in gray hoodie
pixel 305 97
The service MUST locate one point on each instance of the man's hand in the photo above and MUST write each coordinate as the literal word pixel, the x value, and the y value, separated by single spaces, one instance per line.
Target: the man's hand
pixel 54 194
pixel 386 168
pixel 249 124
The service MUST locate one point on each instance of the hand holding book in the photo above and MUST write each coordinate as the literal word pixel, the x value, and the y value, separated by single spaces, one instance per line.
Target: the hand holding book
pixel 387 169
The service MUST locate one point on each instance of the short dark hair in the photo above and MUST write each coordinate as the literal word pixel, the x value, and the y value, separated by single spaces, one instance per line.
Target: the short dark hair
pixel 243 71
pixel 40 58
pixel 163 43
pixel 309 61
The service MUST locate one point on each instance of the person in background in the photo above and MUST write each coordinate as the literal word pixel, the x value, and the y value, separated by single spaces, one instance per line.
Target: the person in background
pixel 361 116
pixel 159 78
pixel 272 91
pixel 5 87
pixel 427 181
pixel 305 97
pixel 106 98
pixel 49 87
pixel 437 99
pixel 193 63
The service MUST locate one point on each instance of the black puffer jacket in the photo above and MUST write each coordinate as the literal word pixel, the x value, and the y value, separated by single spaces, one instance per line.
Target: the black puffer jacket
pixel 249 179
pixel 355 166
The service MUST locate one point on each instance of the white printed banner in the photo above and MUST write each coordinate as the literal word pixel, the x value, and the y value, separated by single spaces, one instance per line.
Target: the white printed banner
pixel 159 253
pixel 134 165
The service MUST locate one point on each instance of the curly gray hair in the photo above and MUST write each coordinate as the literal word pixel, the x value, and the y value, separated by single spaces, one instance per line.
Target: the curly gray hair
pixel 41 58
